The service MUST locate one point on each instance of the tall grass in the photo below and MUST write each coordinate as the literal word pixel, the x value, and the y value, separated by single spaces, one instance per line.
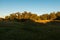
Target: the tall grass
pixel 29 31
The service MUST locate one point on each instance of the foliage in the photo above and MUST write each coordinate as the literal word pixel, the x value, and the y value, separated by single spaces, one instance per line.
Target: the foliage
pixel 29 15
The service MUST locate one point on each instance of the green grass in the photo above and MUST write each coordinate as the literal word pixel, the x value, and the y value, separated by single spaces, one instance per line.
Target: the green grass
pixel 29 31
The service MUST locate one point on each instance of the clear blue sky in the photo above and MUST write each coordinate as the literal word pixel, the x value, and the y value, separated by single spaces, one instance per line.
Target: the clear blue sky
pixel 34 6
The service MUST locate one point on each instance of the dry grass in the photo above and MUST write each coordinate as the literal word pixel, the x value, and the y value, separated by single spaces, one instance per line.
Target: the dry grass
pixel 42 21
pixel 45 21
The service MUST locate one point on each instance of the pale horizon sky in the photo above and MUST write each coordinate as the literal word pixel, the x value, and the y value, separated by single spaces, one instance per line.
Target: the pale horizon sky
pixel 35 6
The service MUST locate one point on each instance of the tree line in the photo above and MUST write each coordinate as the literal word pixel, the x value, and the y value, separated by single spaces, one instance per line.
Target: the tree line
pixel 29 15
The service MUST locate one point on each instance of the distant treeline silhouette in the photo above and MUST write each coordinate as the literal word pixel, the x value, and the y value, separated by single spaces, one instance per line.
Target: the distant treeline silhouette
pixel 28 15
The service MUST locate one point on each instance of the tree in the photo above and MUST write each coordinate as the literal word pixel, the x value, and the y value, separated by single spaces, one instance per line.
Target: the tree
pixel 52 16
pixel 33 16
pixel 6 17
pixel 58 14
pixel 1 19
pixel 26 15
pixel 18 15
pixel 12 16
pixel 44 17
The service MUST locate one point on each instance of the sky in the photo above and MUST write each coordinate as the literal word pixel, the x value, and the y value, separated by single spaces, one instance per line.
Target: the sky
pixel 35 6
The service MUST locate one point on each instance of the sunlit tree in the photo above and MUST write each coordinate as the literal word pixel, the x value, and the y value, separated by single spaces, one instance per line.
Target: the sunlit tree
pixel 44 17
pixel 52 16
pixel 58 14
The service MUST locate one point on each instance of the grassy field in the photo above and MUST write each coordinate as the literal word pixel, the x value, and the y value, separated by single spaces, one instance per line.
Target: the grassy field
pixel 29 31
